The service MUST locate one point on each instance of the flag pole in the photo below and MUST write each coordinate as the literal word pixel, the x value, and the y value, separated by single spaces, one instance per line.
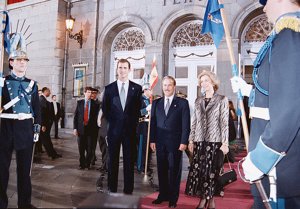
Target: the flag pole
pixel 147 145
pixel 153 81
pixel 241 104
pixel 235 73
pixel 4 18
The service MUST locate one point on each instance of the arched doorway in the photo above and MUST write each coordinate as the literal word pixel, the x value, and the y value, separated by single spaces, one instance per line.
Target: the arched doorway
pixel 129 44
pixel 190 52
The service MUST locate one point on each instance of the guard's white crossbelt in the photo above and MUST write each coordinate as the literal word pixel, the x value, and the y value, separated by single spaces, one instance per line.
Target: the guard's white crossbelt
pixel 11 103
pixel 19 116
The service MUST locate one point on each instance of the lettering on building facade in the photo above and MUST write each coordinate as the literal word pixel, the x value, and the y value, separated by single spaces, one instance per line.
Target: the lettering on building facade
pixel 175 2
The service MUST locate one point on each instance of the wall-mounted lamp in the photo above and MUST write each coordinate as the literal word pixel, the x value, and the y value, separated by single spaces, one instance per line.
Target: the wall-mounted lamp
pixel 77 36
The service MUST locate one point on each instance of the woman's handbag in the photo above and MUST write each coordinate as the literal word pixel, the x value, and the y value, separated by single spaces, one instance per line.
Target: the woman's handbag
pixel 227 177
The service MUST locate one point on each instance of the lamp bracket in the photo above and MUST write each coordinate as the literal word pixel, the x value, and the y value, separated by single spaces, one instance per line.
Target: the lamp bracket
pixel 77 36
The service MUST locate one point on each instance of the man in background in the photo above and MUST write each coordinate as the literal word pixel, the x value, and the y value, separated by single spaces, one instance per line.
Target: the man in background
pixel 46 117
pixel 85 127
pixel 56 115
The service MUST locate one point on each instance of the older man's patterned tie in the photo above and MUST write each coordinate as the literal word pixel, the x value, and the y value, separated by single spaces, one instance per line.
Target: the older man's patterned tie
pixel 167 106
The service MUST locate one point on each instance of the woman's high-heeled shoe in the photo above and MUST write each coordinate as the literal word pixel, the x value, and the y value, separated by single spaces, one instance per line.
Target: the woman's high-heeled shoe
pixel 205 205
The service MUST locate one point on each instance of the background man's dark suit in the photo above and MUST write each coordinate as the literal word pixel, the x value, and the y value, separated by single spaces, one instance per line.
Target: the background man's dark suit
pixel 121 130
pixel 86 133
pixel 46 120
pixel 168 132
pixel 56 117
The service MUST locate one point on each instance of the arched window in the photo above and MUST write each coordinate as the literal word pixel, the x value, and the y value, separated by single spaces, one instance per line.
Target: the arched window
pixel 129 40
pixel 258 30
pixel 190 35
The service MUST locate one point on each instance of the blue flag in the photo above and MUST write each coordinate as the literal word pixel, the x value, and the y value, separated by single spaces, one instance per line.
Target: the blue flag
pixel 212 22
pixel 6 32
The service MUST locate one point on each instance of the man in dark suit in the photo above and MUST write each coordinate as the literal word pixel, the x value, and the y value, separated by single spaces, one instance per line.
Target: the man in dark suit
pixel 46 116
pixel 56 115
pixel 85 127
pixel 94 96
pixel 121 108
pixel 170 128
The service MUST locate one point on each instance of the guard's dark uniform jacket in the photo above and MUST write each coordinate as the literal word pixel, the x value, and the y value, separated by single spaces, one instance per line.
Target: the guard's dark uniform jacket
pixel 275 136
pixel 17 135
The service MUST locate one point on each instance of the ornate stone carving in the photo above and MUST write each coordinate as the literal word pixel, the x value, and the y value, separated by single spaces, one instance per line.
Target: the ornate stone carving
pixel 258 30
pixel 190 35
pixel 129 40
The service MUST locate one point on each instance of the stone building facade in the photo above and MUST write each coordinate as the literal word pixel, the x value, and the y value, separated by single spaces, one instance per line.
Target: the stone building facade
pixel 138 30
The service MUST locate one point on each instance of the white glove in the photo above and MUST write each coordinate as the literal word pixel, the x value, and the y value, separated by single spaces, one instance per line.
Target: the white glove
pixel 36 137
pixel 252 173
pixel 2 81
pixel 239 83
pixel 148 108
pixel 224 148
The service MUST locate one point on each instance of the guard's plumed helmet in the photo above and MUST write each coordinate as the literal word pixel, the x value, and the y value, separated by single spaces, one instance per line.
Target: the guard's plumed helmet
pixel 17 47
pixel 263 2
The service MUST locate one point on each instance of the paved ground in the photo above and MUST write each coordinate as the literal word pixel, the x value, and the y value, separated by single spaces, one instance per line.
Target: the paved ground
pixel 59 184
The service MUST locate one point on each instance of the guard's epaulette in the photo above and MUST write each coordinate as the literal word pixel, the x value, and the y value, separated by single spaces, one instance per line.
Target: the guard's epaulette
pixel 287 22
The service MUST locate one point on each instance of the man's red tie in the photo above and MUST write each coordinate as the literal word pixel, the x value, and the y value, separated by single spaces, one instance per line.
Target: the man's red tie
pixel 86 113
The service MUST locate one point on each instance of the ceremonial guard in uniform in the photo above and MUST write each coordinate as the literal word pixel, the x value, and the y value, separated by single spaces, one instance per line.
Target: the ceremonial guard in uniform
pixel 20 125
pixel 142 129
pixel 274 107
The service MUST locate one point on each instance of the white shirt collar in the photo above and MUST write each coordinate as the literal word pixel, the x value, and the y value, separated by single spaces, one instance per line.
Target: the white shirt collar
pixel 170 99
pixel 126 85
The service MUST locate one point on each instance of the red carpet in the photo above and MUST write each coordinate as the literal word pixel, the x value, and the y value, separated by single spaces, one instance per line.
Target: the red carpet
pixel 237 195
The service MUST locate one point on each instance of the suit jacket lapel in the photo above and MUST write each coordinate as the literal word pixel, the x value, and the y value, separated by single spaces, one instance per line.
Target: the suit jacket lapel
pixel 130 94
pixel 173 105
pixel 161 108
pixel 116 92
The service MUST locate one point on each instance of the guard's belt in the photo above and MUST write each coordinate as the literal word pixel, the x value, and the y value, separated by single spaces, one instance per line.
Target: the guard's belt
pixel 19 116
pixel 260 112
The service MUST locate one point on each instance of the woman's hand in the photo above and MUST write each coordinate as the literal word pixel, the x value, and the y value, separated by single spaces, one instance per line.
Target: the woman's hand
pixel 224 148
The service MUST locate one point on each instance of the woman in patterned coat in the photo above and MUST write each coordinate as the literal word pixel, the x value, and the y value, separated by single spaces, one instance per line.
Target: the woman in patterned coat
pixel 209 133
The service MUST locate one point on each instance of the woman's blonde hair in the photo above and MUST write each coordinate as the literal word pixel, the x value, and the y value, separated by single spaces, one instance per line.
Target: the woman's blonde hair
pixel 215 81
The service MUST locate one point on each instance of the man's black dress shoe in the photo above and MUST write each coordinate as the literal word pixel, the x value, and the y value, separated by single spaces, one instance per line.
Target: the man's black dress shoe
pixel 158 201
pixel 172 205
